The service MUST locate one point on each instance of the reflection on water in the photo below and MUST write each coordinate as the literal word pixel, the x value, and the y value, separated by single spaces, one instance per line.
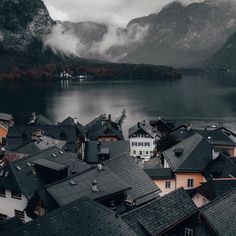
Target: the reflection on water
pixel 199 97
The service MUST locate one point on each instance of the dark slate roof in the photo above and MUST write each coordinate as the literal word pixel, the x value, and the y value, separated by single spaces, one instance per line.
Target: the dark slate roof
pixel 197 153
pixel 215 188
pixel 108 129
pixel 153 163
pixel 101 126
pixel 42 120
pixel 160 173
pixel 70 121
pixel 25 181
pixel 143 126
pixel 9 224
pixel 116 148
pixel 15 133
pixel 82 217
pixel 221 214
pixel 161 214
pixel 108 184
pixel 142 187
pixel 27 148
pixel 222 167
pixel 5 117
pixel 215 137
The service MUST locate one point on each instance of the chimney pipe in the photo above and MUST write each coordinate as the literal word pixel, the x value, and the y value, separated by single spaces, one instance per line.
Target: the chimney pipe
pixel 94 186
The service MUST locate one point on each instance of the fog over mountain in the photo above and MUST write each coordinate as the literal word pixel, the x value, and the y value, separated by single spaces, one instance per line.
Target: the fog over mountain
pixel 193 30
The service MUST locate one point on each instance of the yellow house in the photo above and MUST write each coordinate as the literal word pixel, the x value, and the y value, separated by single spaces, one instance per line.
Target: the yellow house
pixel 182 165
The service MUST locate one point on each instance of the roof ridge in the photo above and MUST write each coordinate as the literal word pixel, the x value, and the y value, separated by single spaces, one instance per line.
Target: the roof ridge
pixel 154 200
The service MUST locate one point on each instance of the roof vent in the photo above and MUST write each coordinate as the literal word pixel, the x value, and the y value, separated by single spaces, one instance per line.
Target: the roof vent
pixel 72 183
pixel 94 186
pixel 178 152
pixel 54 155
pixel 18 168
pixel 99 166
pixel 28 164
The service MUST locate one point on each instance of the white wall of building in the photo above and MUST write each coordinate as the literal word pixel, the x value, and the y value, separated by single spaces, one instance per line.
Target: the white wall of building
pixel 8 205
pixel 141 146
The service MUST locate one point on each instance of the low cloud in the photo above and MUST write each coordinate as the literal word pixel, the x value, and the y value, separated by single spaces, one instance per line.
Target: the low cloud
pixel 111 47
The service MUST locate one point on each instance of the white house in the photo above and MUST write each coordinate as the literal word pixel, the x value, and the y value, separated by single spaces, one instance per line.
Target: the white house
pixel 142 138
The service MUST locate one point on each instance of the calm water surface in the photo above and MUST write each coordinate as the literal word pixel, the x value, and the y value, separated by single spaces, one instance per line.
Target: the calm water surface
pixel 198 98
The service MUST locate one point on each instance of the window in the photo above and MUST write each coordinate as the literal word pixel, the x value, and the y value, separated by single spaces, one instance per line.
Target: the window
pixel 134 144
pixel 140 152
pixel 16 194
pixel 188 232
pixel 147 144
pixel 204 201
pixel 190 183
pixel 19 214
pixel 2 192
pixel 134 152
pixel 2 217
pixel 140 144
pixel 147 152
pixel 167 184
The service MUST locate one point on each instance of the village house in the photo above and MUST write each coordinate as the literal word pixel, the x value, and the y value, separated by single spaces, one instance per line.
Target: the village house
pixel 6 121
pixel 211 190
pixel 20 179
pixel 182 165
pixel 73 133
pixel 100 151
pixel 102 128
pixel 119 183
pixel 143 139
pixel 221 141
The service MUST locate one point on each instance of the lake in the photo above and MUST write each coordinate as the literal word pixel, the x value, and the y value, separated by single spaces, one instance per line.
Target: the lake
pixel 202 99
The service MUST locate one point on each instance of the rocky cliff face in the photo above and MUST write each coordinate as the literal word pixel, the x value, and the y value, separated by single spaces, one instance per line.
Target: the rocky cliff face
pixel 184 35
pixel 21 21
pixel 225 58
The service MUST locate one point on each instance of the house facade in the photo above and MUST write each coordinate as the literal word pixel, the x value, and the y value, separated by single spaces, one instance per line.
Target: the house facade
pixel 142 140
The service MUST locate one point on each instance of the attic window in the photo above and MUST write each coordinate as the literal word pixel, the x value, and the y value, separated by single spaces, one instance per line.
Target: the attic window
pixel 54 155
pixel 178 152
pixel 61 152
pixel 18 168
pixel 72 183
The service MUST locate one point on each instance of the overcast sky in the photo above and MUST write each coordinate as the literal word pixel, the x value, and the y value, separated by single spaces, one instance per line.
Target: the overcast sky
pixel 116 12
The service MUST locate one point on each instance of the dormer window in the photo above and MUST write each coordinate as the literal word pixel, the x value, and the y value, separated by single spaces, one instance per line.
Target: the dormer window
pixel 16 195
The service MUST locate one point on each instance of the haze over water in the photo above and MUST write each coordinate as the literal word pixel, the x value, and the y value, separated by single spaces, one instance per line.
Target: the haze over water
pixel 203 99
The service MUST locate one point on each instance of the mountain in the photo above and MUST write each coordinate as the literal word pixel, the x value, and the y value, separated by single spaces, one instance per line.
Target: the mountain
pixel 23 24
pixel 224 58
pixel 184 35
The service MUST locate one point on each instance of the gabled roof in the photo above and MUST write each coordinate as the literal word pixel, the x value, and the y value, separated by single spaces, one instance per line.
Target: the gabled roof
pixel 160 214
pixel 21 176
pixel 221 167
pixel 160 173
pixel 215 137
pixel 78 186
pixel 44 142
pixel 142 126
pixel 42 120
pixel 115 149
pixel 215 188
pixel 68 133
pixel 68 121
pixel 81 217
pixel 221 214
pixel 5 117
pixel 101 126
pixel 195 154
pixel 142 187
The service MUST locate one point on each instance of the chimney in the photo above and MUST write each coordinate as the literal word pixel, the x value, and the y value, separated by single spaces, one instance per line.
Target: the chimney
pixel 99 165
pixel 75 120
pixel 178 152
pixel 94 186
pixel 36 134
pixel 189 126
